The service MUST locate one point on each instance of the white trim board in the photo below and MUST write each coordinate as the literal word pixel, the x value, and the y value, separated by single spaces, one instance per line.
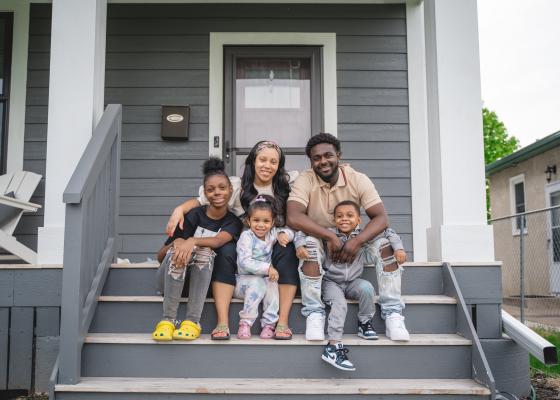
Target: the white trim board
pixel 18 82
pixel 216 73
pixel 418 129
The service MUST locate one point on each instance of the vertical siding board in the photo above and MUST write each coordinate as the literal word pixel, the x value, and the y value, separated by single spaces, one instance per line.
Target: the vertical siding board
pixel 4 334
pixel 47 321
pixel 6 288
pixel 45 357
pixel 21 348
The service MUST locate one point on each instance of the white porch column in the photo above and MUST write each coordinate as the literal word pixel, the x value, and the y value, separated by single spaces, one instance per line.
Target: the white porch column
pixel 76 87
pixel 458 229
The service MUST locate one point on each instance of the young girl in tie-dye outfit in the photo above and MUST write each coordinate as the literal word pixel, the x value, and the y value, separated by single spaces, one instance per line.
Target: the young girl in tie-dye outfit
pixel 257 279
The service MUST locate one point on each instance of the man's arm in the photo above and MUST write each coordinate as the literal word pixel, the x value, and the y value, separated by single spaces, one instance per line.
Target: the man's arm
pixel 378 222
pixel 298 220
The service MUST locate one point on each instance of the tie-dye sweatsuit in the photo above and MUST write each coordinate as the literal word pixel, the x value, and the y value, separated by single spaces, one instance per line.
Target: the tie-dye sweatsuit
pixel 254 257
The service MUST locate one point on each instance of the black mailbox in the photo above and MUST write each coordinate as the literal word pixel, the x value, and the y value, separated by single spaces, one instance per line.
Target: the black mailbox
pixel 175 122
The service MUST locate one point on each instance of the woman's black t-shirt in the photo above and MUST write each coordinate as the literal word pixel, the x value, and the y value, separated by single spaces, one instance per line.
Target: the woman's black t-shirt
pixel 198 224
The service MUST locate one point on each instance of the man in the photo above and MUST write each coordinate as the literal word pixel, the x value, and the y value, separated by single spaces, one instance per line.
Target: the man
pixel 310 208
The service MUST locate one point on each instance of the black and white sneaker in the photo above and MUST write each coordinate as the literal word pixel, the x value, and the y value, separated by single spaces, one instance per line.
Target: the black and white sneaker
pixel 336 356
pixel 366 331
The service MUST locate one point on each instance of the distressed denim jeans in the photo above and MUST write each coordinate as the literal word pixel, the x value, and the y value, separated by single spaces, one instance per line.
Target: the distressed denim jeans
pixel 199 271
pixel 389 283
pixel 311 285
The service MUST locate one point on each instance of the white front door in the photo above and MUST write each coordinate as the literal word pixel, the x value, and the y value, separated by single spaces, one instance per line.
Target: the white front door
pixel 552 193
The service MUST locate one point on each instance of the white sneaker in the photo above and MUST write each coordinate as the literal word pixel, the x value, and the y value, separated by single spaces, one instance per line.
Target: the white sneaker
pixel 315 327
pixel 395 329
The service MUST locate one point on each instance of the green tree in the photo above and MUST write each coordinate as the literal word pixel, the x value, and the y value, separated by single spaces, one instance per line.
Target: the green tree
pixel 497 144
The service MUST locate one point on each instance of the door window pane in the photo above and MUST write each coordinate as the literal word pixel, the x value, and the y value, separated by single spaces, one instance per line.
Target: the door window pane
pixel 273 100
pixel 3 40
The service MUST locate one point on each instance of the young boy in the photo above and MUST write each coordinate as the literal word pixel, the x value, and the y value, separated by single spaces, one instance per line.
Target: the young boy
pixel 343 280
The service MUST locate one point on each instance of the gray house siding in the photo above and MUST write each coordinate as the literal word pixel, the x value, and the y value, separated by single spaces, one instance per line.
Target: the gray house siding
pixel 35 136
pixel 158 54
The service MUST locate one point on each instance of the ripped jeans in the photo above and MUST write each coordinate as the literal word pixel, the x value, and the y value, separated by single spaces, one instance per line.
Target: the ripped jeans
pixel 172 279
pixel 389 283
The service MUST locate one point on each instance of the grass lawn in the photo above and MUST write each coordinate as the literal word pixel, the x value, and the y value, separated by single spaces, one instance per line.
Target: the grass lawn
pixel 554 338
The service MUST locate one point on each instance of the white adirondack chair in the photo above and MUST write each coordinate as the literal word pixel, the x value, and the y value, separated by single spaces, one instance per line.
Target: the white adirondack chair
pixel 16 189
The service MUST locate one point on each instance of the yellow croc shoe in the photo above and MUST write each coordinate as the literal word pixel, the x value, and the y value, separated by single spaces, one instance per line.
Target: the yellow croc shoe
pixel 164 331
pixel 188 330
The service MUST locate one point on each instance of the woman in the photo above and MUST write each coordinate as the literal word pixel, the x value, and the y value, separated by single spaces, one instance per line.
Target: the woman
pixel 263 174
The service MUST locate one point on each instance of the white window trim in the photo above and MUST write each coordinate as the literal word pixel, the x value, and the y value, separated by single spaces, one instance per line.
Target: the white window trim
pixel 512 182
pixel 216 74
pixel 18 82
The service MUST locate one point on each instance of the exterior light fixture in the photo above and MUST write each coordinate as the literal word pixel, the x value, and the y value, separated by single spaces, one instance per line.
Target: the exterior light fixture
pixel 550 169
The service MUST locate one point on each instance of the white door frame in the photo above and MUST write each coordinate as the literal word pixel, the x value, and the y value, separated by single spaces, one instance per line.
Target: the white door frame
pixel 553 270
pixel 216 74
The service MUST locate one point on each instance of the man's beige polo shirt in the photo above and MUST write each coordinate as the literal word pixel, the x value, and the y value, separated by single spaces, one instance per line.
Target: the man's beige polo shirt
pixel 320 199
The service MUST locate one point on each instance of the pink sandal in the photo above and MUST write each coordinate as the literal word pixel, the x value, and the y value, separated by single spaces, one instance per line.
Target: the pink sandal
pixel 244 331
pixel 267 332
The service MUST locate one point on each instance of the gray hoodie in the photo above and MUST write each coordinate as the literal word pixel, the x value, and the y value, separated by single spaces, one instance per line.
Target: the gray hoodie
pixel 346 272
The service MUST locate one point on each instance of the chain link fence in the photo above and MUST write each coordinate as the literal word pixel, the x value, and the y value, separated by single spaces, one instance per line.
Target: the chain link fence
pixel 528 244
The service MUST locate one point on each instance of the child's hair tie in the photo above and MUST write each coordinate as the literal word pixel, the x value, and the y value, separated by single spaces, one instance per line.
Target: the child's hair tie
pixel 260 198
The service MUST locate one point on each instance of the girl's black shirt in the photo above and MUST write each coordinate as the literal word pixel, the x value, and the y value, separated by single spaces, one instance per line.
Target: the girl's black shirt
pixel 197 224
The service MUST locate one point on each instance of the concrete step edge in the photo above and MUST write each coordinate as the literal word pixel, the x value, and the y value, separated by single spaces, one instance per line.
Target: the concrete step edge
pixel 408 299
pixel 278 386
pixel 298 340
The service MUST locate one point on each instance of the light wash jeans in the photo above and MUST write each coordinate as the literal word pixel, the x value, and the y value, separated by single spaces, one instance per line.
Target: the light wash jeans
pixel 389 283
pixel 172 280
pixel 253 289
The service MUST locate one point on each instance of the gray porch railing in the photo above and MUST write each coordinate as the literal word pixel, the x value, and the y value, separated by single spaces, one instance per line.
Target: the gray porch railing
pixel 481 372
pixel 91 199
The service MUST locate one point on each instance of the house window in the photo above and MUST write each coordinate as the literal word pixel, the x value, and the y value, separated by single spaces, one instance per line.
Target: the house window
pixel 6 24
pixel 517 201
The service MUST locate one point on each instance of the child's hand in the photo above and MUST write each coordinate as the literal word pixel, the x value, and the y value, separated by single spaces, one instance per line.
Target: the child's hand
pixel 176 218
pixel 273 274
pixel 302 253
pixel 400 255
pixel 283 239
pixel 182 251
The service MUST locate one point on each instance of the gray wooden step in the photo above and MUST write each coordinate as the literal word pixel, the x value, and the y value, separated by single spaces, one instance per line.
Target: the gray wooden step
pixel 139 279
pixel 139 314
pixel 425 356
pixel 292 389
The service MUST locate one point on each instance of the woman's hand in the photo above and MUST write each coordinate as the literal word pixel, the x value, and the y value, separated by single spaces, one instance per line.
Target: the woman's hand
pixel 302 253
pixel 273 274
pixel 283 239
pixel 177 218
pixel 400 255
pixel 182 251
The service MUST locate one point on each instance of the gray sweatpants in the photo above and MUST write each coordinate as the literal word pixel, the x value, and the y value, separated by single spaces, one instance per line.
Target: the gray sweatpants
pixel 172 280
pixel 335 295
